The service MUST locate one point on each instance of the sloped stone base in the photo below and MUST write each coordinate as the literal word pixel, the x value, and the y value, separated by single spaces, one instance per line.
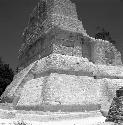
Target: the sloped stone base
pixel 64 80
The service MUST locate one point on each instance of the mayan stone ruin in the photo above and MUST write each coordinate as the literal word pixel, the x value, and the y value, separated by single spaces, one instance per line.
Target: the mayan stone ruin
pixel 61 67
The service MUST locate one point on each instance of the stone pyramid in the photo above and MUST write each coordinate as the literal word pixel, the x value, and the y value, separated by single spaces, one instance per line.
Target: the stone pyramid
pixel 61 67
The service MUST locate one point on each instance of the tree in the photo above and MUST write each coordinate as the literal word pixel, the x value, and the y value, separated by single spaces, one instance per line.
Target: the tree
pixel 104 35
pixel 6 76
pixel 1 61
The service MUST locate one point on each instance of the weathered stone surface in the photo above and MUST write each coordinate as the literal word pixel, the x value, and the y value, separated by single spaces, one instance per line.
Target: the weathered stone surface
pixel 60 18
pixel 55 14
pixel 63 62
pixel 67 90
pixel 72 63
pixel 71 90
pixel 60 89
pixel 31 93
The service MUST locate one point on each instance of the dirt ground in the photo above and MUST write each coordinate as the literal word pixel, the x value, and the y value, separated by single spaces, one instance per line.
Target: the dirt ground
pixel 9 116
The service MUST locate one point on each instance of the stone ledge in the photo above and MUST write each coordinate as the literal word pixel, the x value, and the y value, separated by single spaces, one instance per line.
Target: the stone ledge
pixel 77 64
pixel 61 108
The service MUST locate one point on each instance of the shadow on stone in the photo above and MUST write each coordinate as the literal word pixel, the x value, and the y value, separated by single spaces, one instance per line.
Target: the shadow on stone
pixel 62 108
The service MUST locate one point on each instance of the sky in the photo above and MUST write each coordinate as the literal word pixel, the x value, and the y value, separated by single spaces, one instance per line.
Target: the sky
pixel 14 15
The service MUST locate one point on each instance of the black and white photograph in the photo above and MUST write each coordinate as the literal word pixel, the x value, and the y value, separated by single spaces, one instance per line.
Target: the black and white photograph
pixel 61 62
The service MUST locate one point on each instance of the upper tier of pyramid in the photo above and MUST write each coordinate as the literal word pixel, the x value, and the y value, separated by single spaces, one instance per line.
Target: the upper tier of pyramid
pixel 54 27
pixel 48 14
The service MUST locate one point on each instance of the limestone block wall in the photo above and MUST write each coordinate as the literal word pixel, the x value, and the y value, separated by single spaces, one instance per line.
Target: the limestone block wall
pixel 118 60
pixel 65 7
pixel 64 62
pixel 109 71
pixel 71 90
pixel 67 23
pixel 72 63
pixel 32 93
pixel 99 53
pixel 104 52
pixel 87 50
pixel 59 49
pixel 62 89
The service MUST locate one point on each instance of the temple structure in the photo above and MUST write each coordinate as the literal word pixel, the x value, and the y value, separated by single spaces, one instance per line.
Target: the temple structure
pixel 61 66
pixel 54 28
